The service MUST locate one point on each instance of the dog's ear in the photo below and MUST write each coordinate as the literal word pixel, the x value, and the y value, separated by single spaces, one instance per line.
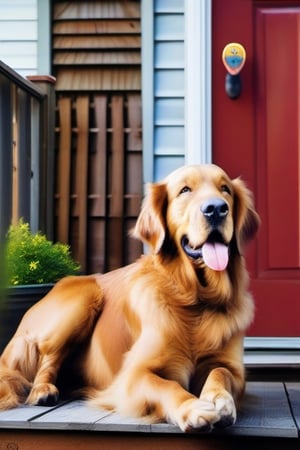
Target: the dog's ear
pixel 246 219
pixel 151 223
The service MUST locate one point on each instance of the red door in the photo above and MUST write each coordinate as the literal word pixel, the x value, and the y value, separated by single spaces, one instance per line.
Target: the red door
pixel 257 136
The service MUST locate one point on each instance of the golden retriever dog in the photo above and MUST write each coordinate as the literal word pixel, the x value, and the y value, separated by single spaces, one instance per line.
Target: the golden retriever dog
pixel 162 338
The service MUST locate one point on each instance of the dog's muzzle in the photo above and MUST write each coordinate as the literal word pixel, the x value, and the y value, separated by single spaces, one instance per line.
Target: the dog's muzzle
pixel 214 252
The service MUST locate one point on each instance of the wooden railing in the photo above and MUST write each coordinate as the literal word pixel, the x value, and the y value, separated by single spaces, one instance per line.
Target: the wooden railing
pixel 26 150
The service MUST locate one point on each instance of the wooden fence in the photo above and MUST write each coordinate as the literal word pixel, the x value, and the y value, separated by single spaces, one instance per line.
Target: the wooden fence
pixel 26 151
pixel 99 177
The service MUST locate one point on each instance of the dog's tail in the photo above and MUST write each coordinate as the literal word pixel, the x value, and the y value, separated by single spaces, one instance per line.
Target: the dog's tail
pixel 14 388
pixel 17 368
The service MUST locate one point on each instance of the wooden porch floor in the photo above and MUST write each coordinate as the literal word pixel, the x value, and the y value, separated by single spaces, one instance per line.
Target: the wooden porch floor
pixel 269 418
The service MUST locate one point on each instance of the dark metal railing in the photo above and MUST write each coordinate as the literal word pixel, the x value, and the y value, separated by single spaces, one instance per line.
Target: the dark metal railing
pixel 27 112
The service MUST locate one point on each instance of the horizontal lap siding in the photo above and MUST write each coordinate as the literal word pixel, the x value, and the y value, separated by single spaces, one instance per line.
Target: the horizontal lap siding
pixel 99 130
pixel 18 35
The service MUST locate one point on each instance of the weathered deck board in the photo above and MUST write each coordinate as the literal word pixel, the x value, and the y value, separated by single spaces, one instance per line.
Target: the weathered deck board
pixel 293 390
pixel 75 415
pixel 115 422
pixel 19 417
pixel 265 413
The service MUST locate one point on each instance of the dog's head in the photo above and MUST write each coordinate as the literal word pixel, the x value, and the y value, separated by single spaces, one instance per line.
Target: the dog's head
pixel 200 212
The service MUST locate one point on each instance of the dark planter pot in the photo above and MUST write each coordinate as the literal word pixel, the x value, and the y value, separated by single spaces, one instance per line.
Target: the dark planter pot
pixel 18 299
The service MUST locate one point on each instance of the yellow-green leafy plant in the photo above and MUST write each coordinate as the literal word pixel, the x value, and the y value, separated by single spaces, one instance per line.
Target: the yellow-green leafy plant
pixel 33 259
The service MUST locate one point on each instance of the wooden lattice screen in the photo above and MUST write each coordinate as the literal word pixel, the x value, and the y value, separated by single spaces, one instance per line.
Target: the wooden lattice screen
pixel 98 192
pixel 97 64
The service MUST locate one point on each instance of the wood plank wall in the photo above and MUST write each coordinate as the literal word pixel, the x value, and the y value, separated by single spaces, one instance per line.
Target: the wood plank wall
pixel 99 178
pixel 96 60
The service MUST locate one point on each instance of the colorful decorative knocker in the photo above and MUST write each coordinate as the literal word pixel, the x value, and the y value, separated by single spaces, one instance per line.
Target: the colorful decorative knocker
pixel 233 57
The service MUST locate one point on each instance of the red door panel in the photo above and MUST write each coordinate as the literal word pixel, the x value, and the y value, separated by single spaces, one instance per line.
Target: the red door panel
pixel 277 129
pixel 258 137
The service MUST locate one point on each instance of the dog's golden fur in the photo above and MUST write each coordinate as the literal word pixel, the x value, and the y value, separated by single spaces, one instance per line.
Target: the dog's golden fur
pixel 161 338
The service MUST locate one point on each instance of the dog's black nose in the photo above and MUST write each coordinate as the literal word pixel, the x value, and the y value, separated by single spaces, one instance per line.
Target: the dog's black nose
pixel 215 210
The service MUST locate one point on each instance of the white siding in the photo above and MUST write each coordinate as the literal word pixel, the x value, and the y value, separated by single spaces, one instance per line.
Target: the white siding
pixel 19 35
pixel 176 84
pixel 168 139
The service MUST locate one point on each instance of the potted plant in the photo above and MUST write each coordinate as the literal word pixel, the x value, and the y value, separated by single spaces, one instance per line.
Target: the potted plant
pixel 33 264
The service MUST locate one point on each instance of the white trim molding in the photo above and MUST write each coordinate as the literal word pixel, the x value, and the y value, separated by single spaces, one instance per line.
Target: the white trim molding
pixel 147 88
pixel 282 352
pixel 44 38
pixel 198 143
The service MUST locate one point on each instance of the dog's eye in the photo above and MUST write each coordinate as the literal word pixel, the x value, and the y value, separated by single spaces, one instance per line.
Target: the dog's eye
pixel 225 188
pixel 184 190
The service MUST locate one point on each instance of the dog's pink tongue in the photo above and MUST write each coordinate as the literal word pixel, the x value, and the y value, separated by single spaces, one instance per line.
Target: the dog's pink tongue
pixel 215 255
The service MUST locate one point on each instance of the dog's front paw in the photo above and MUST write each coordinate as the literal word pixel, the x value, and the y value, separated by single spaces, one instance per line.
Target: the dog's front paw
pixel 197 415
pixel 225 406
pixel 43 394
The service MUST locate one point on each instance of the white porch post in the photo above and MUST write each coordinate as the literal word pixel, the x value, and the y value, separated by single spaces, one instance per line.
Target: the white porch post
pixel 198 144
